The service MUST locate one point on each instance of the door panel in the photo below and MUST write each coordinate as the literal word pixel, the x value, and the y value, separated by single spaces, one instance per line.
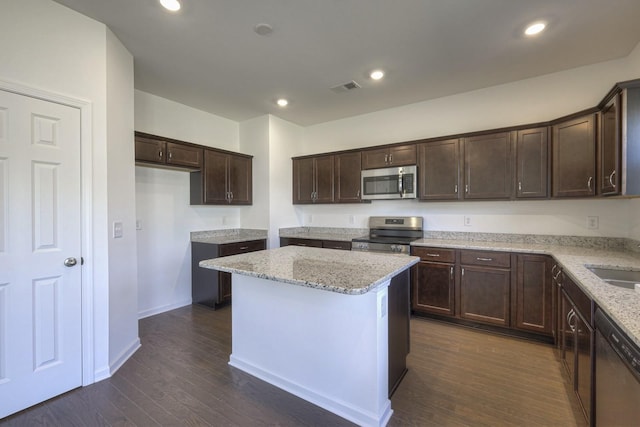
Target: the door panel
pixel 40 220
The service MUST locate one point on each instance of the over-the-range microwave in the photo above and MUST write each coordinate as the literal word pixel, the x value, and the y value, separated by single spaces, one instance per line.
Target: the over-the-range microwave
pixel 389 183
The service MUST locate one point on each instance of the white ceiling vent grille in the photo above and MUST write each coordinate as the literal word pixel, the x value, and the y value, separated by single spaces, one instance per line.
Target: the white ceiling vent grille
pixel 346 87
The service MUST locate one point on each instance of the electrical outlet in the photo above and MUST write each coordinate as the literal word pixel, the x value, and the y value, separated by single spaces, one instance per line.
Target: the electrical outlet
pixel 467 221
pixel 117 230
pixel 138 224
pixel 593 222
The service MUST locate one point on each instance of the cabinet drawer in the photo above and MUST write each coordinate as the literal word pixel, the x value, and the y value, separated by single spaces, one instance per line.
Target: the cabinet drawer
pixel 336 244
pixel 434 254
pixel 241 247
pixel 488 258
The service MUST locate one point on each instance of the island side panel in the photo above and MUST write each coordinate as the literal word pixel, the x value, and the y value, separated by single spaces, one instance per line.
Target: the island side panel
pixel 328 348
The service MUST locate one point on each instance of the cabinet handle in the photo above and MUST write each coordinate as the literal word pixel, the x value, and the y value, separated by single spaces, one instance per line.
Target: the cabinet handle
pixel 519 185
pixel 170 154
pixel 466 188
pixel 390 158
pixel 160 154
pixel 484 259
pixel 455 188
pixel 557 274
pixel 451 273
pixel 462 272
pixel 244 248
pixel 571 316
pixel 589 183
pixel 230 195
pixel 386 158
pixel 611 179
pixel 358 193
pixel 553 270
pixel 435 255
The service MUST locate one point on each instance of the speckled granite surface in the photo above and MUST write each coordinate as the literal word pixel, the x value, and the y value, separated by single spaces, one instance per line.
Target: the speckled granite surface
pixel 327 269
pixel 234 235
pixel 622 305
pixel 324 233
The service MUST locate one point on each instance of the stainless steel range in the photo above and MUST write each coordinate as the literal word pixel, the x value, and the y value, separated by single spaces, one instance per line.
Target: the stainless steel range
pixel 389 234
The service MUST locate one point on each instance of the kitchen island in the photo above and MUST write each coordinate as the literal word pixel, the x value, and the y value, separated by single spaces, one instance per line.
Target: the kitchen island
pixel 328 326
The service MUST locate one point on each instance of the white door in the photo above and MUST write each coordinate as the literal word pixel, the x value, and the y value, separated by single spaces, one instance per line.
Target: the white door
pixel 40 224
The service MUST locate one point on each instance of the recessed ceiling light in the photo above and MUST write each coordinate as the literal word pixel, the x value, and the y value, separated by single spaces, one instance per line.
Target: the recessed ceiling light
pixel 534 29
pixel 376 74
pixel 282 102
pixel 172 5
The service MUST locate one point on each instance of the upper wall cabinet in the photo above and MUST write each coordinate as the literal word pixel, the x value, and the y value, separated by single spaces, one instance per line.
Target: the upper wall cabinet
pixel 439 170
pixel 610 147
pixel 157 151
pixel 487 166
pixel 532 163
pixel 226 179
pixel 347 168
pixel 313 180
pixel 574 157
pixel 399 155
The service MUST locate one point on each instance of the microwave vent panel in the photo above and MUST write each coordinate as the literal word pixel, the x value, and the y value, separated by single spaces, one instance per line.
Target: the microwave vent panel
pixel 345 87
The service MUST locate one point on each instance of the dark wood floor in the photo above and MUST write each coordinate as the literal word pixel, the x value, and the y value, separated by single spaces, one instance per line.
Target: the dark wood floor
pixel 180 377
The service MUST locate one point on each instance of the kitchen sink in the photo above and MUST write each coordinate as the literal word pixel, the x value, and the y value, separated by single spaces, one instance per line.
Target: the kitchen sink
pixel 629 279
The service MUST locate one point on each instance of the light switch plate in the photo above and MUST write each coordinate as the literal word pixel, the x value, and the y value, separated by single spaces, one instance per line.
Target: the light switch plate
pixel 117 230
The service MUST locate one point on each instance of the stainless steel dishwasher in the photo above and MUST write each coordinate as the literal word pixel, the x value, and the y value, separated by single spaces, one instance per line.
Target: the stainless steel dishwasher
pixel 617 375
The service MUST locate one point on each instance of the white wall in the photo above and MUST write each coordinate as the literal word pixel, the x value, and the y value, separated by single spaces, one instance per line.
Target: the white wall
pixel 162 203
pixel 254 140
pixel 123 284
pixel 527 101
pixel 284 139
pixel 47 46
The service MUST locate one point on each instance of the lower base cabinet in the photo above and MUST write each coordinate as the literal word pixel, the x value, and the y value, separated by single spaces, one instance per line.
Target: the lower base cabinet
pixel 316 243
pixel 210 287
pixel 484 295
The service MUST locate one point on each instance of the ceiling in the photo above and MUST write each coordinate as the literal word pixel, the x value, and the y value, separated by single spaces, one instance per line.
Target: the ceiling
pixel 208 56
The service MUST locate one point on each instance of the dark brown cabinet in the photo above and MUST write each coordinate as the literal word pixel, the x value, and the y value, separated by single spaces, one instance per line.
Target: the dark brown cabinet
pixel 433 287
pixel 347 177
pixel 210 287
pixel 154 150
pixel 399 155
pixel 316 243
pixel 439 170
pixel 485 279
pixel 574 157
pixel 577 343
pixel 487 166
pixel 226 178
pixel 534 294
pixel 532 164
pixel 313 180
pixel 610 147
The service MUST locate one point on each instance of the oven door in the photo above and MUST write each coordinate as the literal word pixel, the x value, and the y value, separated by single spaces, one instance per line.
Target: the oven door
pixel 389 183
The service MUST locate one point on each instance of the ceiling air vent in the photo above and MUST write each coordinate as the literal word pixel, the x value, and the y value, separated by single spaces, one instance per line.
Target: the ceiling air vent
pixel 345 87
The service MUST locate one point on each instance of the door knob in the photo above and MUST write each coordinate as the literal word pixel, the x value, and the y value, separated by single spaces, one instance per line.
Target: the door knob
pixel 70 262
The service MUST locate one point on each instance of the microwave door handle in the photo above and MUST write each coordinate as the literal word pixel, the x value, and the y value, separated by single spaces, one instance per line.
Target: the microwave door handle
pixel 400 189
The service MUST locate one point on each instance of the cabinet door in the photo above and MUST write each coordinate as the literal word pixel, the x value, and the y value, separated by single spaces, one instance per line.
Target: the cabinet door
pixel 487 166
pixel 439 170
pixel 150 150
pixel 567 335
pixel 303 180
pixel 184 155
pixel 533 290
pixel 610 148
pixel 347 177
pixel 240 180
pixel 402 155
pixel 584 365
pixel 215 177
pixel 484 295
pixel 224 287
pixel 375 158
pixel 532 171
pixel 433 288
pixel 574 158
pixel 324 179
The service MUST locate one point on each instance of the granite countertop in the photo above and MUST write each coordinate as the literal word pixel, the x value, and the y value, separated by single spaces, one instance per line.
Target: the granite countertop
pixel 333 270
pixel 622 305
pixel 234 235
pixel 324 233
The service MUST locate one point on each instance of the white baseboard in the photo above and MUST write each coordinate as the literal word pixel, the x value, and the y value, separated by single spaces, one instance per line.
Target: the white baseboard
pixel 162 309
pixel 124 356
pixel 353 414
